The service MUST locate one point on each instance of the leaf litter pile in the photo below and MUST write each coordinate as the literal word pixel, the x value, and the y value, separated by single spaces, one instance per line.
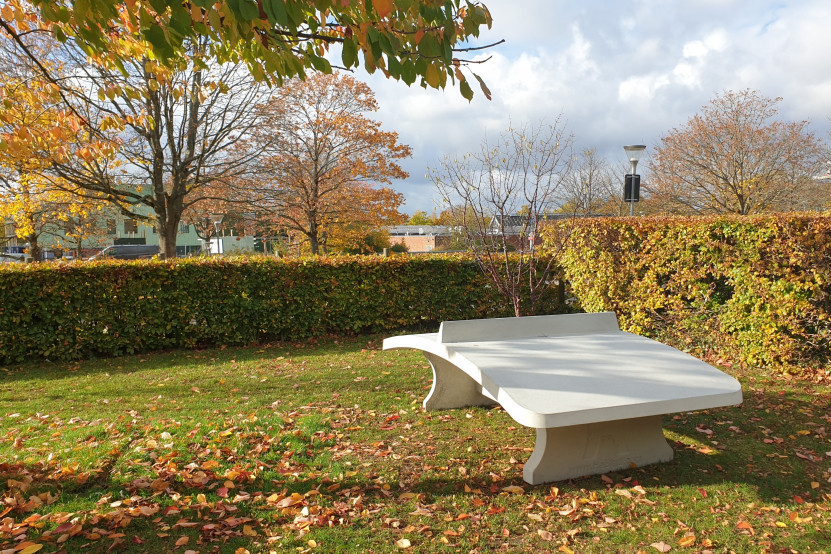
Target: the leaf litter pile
pixel 325 447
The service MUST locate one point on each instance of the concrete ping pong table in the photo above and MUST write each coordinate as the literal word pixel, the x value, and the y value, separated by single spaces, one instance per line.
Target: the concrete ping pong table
pixel 594 393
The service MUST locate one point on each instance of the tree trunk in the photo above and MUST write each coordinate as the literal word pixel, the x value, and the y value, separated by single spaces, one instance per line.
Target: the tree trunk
pixel 313 234
pixel 34 248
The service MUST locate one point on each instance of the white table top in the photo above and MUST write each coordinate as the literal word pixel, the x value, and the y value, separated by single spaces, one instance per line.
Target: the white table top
pixel 571 379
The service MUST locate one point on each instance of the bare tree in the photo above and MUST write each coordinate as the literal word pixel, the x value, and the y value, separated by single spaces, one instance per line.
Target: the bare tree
pixel 593 187
pixel 499 195
pixel 735 157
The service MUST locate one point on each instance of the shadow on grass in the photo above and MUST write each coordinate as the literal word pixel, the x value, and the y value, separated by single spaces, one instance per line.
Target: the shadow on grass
pixel 773 443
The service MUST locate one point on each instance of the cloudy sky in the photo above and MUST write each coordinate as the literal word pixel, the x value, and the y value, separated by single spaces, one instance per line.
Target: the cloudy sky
pixel 619 72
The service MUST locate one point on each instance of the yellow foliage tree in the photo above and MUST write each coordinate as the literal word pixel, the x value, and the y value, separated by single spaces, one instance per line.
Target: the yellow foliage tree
pixel 35 130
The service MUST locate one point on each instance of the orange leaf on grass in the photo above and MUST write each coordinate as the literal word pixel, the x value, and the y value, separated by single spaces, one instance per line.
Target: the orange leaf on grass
pixel 687 541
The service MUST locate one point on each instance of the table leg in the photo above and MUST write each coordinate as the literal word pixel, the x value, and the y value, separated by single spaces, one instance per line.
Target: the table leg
pixel 452 387
pixel 567 452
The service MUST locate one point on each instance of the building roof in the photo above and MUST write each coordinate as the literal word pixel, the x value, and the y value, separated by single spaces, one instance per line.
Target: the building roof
pixel 408 230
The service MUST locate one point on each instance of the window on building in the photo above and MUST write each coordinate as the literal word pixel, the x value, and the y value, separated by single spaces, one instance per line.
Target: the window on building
pixel 130 226
pixel 184 228
pixel 111 229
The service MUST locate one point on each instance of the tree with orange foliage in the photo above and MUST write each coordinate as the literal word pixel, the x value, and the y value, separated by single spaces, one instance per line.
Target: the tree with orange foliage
pixel 322 160
pixel 735 157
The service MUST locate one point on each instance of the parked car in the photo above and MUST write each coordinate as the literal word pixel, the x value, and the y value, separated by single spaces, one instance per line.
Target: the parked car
pixel 10 258
pixel 127 252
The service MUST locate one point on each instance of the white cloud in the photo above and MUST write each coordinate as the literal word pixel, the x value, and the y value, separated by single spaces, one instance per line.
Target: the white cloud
pixel 695 49
pixel 620 73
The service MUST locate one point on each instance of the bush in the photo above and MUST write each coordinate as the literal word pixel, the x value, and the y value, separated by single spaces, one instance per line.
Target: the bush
pixel 755 288
pixel 70 311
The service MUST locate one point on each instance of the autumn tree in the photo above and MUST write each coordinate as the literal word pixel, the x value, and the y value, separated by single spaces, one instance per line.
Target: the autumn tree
pixel 486 190
pixel 76 223
pixel 736 157
pixel 322 161
pixel 420 217
pixel 170 131
pixel 35 129
pixel 407 40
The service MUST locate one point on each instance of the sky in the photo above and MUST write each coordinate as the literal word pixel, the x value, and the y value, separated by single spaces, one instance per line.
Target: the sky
pixel 618 72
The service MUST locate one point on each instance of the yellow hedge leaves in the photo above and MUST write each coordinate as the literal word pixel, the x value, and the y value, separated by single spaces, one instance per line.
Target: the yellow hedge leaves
pixel 752 288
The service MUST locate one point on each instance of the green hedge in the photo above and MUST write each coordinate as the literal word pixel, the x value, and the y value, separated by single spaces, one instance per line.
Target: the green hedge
pixel 80 310
pixel 757 289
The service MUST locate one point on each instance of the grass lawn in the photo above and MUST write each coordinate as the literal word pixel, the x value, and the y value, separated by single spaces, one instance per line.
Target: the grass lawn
pixel 325 447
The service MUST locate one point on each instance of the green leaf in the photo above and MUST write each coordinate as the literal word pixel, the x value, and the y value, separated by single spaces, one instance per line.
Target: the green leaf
pixel 429 46
pixel 408 72
pixel 59 34
pixel 350 53
pixel 466 91
pixel 248 10
pixel 180 21
pixel 374 42
pixel 320 63
pixel 276 12
pixel 155 35
pixel 394 67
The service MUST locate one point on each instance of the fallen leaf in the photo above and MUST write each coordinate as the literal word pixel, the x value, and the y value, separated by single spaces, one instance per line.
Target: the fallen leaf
pixel 513 489
pixel 183 540
pixel 545 535
pixel 687 541
pixel 403 543
pixel 661 546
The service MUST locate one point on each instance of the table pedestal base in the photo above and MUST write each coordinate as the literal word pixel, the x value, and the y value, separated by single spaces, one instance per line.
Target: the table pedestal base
pixel 568 452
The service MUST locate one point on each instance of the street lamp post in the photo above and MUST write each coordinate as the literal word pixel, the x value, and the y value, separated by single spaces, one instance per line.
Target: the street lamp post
pixel 217 219
pixel 632 182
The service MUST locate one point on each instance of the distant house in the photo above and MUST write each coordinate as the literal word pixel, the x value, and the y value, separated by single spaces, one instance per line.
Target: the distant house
pixel 421 238
pixel 119 230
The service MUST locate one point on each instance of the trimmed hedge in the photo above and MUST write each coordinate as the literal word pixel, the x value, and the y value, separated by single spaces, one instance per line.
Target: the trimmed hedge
pixel 757 289
pixel 80 310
